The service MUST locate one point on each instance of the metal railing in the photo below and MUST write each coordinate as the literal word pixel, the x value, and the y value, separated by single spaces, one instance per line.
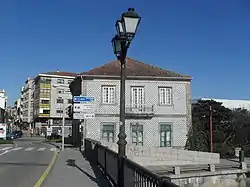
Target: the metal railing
pixel 142 109
pixel 134 175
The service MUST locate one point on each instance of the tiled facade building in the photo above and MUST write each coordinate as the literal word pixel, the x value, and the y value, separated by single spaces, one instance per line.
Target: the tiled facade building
pixel 158 106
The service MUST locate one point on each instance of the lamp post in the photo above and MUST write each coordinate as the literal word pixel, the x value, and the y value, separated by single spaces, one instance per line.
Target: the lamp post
pixel 63 121
pixel 126 29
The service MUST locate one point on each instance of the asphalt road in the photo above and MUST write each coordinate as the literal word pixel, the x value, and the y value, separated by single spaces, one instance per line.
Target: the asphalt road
pixel 21 165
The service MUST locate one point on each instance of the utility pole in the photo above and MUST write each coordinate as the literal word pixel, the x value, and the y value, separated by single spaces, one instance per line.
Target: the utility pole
pixel 63 124
pixel 211 127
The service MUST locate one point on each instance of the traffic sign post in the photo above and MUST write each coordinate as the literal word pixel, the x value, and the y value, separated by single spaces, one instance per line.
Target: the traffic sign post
pixel 83 99
pixel 83 107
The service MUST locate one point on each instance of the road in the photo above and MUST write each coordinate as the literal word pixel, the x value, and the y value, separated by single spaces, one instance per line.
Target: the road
pixel 22 164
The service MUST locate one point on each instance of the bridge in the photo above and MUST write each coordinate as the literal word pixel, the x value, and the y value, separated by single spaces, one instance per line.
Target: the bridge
pixel 132 174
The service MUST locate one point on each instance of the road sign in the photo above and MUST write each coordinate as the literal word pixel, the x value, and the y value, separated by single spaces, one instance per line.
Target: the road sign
pixel 49 131
pixel 83 107
pixel 80 115
pixel 83 99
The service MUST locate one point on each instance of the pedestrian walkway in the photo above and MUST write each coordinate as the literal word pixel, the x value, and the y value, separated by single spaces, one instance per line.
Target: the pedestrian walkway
pixel 72 169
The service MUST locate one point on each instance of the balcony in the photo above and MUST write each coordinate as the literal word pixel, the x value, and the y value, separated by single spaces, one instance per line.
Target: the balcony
pixel 139 112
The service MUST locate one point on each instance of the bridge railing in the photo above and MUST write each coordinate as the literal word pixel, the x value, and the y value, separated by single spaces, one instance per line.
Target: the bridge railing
pixel 134 175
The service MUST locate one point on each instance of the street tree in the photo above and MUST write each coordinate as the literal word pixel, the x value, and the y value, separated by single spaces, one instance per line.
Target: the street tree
pixel 199 134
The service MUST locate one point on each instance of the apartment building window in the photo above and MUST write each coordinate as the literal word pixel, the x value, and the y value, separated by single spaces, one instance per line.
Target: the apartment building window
pixel 165 135
pixel 69 81
pixel 60 81
pixel 108 131
pixel 108 94
pixel 59 100
pixel 137 134
pixel 70 101
pixel 59 111
pixel 165 95
pixel 46 111
pixel 67 91
pixel 44 101
pixel 60 91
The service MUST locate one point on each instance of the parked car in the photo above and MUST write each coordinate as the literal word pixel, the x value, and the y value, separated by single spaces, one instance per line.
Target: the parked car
pixel 54 136
pixel 11 136
pixel 18 134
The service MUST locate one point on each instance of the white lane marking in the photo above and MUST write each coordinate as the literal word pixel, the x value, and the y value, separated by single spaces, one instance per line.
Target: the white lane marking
pixel 4 153
pixel 53 149
pixel 29 149
pixel 5 148
pixel 41 149
pixel 16 149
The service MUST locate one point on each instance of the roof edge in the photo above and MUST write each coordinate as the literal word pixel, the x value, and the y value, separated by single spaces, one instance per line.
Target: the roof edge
pixel 188 78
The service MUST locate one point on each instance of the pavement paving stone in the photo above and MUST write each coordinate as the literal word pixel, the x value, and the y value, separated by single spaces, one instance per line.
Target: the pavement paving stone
pixel 72 169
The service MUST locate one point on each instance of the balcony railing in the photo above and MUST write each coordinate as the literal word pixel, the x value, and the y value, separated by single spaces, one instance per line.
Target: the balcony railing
pixel 141 111
pixel 134 175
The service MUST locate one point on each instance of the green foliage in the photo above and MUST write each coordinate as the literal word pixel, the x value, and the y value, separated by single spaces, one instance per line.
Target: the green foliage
pixel 231 128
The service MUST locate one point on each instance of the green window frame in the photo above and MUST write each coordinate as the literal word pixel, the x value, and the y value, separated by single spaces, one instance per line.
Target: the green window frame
pixel 137 134
pixel 108 132
pixel 165 135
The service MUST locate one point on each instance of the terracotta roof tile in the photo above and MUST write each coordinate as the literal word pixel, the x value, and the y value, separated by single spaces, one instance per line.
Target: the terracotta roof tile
pixel 133 68
pixel 60 73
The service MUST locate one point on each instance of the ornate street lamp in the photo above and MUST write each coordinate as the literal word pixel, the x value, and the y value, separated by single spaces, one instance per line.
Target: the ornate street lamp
pixel 126 29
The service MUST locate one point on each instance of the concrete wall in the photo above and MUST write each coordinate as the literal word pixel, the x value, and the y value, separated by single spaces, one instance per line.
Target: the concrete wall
pixel 225 178
pixel 177 114
pixel 147 156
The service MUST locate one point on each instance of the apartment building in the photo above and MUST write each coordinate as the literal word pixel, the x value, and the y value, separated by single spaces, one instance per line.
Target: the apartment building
pixel 3 105
pixel 18 114
pixel 51 96
pixel 158 104
pixel 27 101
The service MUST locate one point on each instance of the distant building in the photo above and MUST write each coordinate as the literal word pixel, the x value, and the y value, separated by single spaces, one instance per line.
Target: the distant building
pixel 3 105
pixel 157 104
pixel 231 104
pixel 27 101
pixel 18 114
pixel 51 96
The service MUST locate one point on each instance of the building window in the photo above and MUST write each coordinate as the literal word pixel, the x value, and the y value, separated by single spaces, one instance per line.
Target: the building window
pixel 165 135
pixel 137 98
pixel 59 111
pixel 108 131
pixel 69 81
pixel 108 94
pixel 137 134
pixel 60 81
pixel 59 100
pixel 70 101
pixel 67 91
pixel 44 101
pixel 165 96
pixel 46 111
pixel 60 91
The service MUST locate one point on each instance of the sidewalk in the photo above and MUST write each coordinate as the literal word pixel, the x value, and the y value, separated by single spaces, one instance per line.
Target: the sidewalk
pixel 72 169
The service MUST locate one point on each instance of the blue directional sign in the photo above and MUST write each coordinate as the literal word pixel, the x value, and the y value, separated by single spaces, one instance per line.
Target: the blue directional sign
pixel 83 99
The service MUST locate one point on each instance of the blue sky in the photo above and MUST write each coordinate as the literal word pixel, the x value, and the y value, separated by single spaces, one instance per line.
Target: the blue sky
pixel 207 39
